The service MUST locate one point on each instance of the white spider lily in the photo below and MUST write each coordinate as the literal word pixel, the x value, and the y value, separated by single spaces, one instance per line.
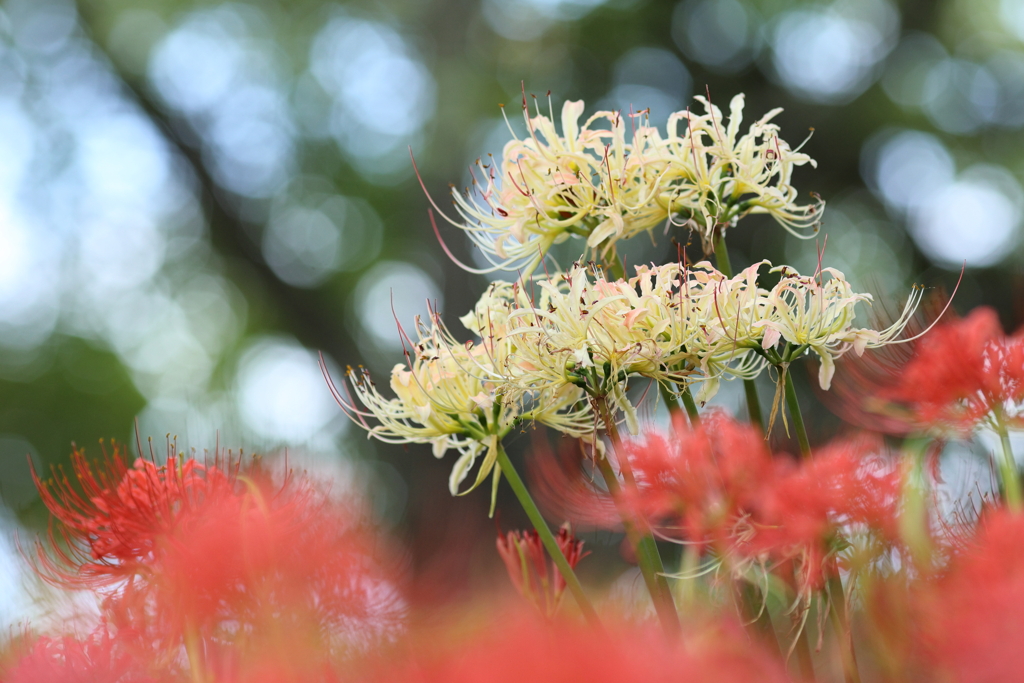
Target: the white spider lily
pixel 818 312
pixel 451 396
pixel 587 181
pixel 670 324
pixel 595 333
pixel 607 184
pixel 716 176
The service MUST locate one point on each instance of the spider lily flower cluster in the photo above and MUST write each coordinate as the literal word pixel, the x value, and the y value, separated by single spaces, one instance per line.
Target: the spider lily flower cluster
pixel 454 397
pixel 719 488
pixel 547 345
pixel 617 176
pixel 216 569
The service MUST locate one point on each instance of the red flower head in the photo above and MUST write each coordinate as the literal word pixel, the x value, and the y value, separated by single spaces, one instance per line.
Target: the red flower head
pixel 519 648
pixel 971 619
pixel 96 659
pixel 814 509
pixel 223 560
pixel 957 375
pixel 706 480
pixel 719 485
pixel 112 516
pixel 534 577
pixel 963 372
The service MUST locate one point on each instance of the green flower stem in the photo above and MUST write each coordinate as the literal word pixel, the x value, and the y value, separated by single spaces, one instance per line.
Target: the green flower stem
pixel 672 403
pixel 753 404
pixel 546 537
pixel 651 566
pixel 803 655
pixel 647 555
pixel 749 387
pixel 834 586
pixel 798 418
pixel 755 612
pixel 841 622
pixel 669 398
pixel 1008 469
pixel 691 406
pixel 722 254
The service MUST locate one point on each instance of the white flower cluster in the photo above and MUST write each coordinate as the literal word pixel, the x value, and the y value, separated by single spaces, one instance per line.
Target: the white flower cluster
pixel 671 324
pixel 561 350
pixel 599 182
pixel 452 396
pixel 544 345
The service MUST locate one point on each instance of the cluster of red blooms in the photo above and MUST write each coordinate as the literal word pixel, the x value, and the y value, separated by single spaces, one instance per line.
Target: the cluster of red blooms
pixel 244 574
pixel 719 487
pixel 960 620
pixel 962 373
pixel 517 649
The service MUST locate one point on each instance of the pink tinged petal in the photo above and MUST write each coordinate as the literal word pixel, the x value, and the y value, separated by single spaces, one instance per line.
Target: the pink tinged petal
pixel 403 376
pixel 633 315
pixel 771 338
pixel 422 412
pixel 518 231
pixel 483 401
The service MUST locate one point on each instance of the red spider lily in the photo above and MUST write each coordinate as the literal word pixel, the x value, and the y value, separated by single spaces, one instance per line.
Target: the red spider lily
pixel 970 620
pixel 702 481
pixel 534 577
pixel 223 560
pixel 719 486
pixel 98 658
pixel 112 516
pixel 566 490
pixel 815 507
pixel 519 648
pixel 962 372
pixel 267 557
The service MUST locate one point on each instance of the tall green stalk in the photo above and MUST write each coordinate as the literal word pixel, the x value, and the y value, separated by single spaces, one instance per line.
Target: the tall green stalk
pixel 651 566
pixel 647 556
pixel 794 412
pixel 1008 469
pixel 841 621
pixel 691 406
pixel 546 537
pixel 834 586
pixel 755 612
pixel 673 405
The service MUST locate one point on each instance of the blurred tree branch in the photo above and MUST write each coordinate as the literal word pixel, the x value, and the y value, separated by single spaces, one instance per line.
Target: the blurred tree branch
pixel 311 315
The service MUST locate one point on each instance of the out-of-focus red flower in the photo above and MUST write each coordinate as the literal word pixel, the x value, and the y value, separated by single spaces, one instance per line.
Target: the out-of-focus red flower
pixel 225 561
pixel 537 579
pixel 704 482
pixel 519 648
pixel 565 489
pixel 98 658
pixel 958 374
pixel 720 486
pixel 266 556
pixel 111 516
pixel 962 372
pixel 971 618
pixel 813 508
